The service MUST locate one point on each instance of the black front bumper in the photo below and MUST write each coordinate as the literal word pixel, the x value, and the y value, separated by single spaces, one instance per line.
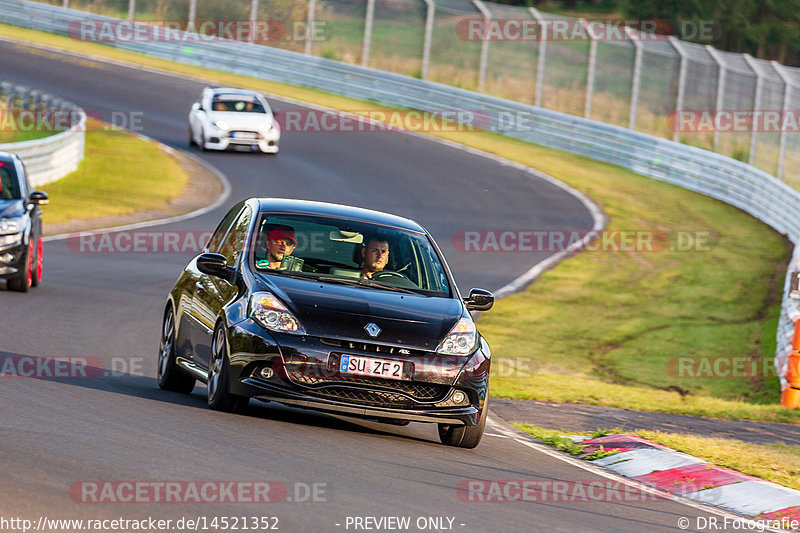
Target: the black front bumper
pixel 304 373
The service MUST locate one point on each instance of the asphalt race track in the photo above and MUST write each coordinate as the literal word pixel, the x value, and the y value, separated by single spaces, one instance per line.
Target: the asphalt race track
pixel 118 426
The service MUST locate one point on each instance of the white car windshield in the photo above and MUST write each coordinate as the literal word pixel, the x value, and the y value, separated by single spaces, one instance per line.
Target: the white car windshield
pixel 237 105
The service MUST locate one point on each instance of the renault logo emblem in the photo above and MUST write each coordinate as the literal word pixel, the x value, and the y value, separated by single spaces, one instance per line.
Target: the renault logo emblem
pixel 372 329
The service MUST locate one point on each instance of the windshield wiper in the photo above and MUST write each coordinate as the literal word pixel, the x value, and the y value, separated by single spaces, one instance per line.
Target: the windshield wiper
pixel 365 282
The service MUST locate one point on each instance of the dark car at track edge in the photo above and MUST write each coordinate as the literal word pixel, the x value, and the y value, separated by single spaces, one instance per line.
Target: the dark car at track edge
pixel 21 254
pixel 332 308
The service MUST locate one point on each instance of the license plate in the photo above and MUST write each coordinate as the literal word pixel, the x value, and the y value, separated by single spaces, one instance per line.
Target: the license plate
pixel 243 135
pixel 369 366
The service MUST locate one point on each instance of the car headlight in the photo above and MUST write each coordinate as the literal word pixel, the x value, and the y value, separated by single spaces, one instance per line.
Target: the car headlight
pixel 461 340
pixel 221 125
pixel 14 238
pixel 10 226
pixel 270 312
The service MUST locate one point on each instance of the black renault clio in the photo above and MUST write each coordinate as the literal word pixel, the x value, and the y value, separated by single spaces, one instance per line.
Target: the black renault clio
pixel 20 226
pixel 333 308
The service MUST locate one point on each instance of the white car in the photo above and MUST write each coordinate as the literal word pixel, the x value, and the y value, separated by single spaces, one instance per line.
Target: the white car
pixel 226 118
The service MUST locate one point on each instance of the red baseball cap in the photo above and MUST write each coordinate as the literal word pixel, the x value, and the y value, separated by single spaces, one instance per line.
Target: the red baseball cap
pixel 281 232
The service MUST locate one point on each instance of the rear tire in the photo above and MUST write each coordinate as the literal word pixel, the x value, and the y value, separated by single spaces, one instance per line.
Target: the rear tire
pixel 170 377
pixel 219 395
pixel 464 436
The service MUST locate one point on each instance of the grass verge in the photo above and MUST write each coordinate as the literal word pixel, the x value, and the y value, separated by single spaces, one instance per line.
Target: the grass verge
pixel 779 463
pixel 606 327
pixel 120 174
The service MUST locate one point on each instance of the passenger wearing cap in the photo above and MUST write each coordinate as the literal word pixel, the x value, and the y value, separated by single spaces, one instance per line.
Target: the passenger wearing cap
pixel 280 243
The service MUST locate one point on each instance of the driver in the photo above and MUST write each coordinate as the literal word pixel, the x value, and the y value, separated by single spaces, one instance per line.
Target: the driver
pixel 375 252
pixel 280 243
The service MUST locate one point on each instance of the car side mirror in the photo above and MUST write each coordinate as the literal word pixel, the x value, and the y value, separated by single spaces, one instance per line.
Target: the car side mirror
pixel 479 300
pixel 195 106
pixel 213 265
pixel 39 198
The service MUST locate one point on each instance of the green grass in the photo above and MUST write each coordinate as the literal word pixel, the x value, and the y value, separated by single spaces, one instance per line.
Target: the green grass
pixel 603 327
pixel 15 136
pixel 560 441
pixel 779 463
pixel 120 174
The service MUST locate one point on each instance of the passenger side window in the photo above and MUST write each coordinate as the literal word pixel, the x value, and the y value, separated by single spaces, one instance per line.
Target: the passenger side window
pixel 234 243
pixel 219 234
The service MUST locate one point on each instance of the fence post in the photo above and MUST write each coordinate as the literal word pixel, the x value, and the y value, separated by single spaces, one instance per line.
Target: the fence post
pixel 542 55
pixel 368 33
pixel 720 89
pixel 131 9
pixel 487 17
pixel 426 45
pixel 192 14
pixel 587 106
pixel 676 134
pixel 637 74
pixel 756 102
pixel 253 17
pixel 787 91
pixel 312 12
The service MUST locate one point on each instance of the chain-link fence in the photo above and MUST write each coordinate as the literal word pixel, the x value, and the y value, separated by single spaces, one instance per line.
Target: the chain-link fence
pixel 731 103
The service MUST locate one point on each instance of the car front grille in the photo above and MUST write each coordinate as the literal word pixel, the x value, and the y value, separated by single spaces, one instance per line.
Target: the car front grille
pixel 364 397
pixel 372 347
pixel 234 136
pixel 416 390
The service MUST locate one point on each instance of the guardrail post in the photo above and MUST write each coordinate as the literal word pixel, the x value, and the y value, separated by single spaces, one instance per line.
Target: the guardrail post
pixel 487 17
pixel 637 75
pixel 676 134
pixel 312 13
pixel 368 33
pixel 787 91
pixel 720 89
pixel 542 55
pixel 131 9
pixel 587 106
pixel 253 17
pixel 192 13
pixel 756 101
pixel 430 13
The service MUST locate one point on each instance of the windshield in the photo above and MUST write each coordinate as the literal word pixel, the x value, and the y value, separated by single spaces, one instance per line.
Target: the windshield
pixel 343 251
pixel 238 104
pixel 9 185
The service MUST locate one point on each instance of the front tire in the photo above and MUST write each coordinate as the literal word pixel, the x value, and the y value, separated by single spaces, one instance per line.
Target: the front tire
pixel 464 436
pixel 219 395
pixel 24 281
pixel 37 271
pixel 170 376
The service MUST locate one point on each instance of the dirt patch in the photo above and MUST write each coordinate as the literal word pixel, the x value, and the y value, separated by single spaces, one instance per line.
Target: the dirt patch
pixel 203 188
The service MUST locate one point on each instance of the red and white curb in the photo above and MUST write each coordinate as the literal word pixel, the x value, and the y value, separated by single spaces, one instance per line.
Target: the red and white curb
pixel 687 476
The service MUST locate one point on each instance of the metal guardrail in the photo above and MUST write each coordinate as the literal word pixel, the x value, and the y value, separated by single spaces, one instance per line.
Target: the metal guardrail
pixel 53 157
pixel 737 183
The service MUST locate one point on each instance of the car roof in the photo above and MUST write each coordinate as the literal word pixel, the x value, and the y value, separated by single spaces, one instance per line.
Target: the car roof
pixel 232 90
pixel 307 207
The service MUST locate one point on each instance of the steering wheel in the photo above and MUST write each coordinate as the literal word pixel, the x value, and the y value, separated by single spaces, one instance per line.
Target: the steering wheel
pixel 388 274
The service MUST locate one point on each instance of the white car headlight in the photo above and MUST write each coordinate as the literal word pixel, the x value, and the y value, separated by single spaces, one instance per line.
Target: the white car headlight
pixel 270 312
pixel 10 226
pixel 461 340
pixel 221 125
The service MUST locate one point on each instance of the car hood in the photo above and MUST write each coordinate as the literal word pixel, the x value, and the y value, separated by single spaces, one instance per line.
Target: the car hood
pixel 11 208
pixel 341 312
pixel 238 121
